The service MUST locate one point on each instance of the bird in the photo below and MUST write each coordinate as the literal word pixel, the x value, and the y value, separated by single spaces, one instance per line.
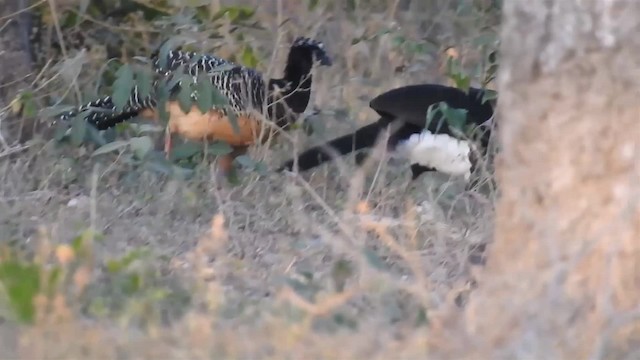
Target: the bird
pixel 427 144
pixel 246 89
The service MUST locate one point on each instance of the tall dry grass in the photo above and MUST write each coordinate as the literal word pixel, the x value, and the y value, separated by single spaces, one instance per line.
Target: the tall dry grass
pixel 335 264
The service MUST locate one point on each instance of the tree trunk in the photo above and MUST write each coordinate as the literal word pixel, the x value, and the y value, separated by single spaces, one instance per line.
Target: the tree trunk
pixel 15 64
pixel 563 274
pixel 13 39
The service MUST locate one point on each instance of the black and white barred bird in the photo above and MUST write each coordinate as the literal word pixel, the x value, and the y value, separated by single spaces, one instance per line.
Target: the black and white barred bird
pixel 245 89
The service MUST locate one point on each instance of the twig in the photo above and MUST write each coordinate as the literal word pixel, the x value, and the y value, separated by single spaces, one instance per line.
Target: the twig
pixel 63 48
pixel 112 27
pixel 20 11
pixel 13 150
pixel 5 25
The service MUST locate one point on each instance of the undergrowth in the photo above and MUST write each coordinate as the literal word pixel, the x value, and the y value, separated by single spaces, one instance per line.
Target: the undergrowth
pixel 110 250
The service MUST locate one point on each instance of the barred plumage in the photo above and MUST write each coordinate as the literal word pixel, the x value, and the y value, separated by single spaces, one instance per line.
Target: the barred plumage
pixel 232 81
pixel 244 87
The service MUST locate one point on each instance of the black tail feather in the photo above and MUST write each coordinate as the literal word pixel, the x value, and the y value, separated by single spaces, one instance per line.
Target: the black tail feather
pixel 106 120
pixel 364 137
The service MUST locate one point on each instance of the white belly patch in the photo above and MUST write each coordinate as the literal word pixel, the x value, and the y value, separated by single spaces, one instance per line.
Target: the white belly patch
pixel 442 152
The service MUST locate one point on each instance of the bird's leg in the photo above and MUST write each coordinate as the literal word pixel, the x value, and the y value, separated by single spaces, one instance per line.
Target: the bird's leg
pixel 225 162
pixel 223 169
pixel 416 171
pixel 361 157
pixel 167 142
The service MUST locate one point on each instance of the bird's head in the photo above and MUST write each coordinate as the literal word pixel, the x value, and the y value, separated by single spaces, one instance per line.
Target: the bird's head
pixel 312 48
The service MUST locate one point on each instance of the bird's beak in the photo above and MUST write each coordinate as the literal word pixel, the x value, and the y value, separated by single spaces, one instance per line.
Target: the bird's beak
pixel 325 60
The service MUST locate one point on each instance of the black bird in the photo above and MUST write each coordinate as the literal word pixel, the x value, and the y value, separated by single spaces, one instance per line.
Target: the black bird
pixel 428 144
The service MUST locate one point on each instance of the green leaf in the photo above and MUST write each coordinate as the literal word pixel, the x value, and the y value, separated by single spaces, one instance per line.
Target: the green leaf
pixel 245 161
pixel 106 70
pixel 340 273
pixel 162 98
pixel 195 58
pixel 84 4
pixel 346 321
pixel 351 5
pixel 118 265
pixel 172 83
pixel 398 40
pixel 233 119
pixel 462 81
pixel 218 15
pixel 146 128
pixel 141 146
pixel 233 13
pixel 246 12
pixel 123 86
pixel 163 52
pixel 232 177
pixel 131 284
pixel 184 96
pixel 357 40
pixel 421 318
pixel 112 146
pixel 181 173
pixel 21 283
pixel 143 82
pixel 493 57
pixel 486 39
pixel 223 67
pixel 261 168
pixel 159 165
pixel 432 112
pixel 60 131
pixel 301 288
pixel 219 148
pixel 54 111
pixel 490 74
pixel 313 124
pixel 248 57
pixel 78 130
pixel 185 150
pixel 219 100
pixel 78 244
pixel 312 4
pixel 95 136
pixel 142 59
pixel 55 275
pixel 374 260
pixel 195 3
pixel 28 104
pixel 204 89
pixel 455 118
pixel 489 95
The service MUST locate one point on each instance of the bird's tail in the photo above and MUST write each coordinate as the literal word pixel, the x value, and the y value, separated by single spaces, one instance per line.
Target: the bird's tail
pixel 364 137
pixel 102 113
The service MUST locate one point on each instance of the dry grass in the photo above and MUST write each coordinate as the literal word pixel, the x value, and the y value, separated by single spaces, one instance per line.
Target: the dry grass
pixel 329 264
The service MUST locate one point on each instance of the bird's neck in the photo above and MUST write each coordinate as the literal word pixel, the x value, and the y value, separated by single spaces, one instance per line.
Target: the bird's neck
pixel 296 82
pixel 289 96
pixel 297 73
